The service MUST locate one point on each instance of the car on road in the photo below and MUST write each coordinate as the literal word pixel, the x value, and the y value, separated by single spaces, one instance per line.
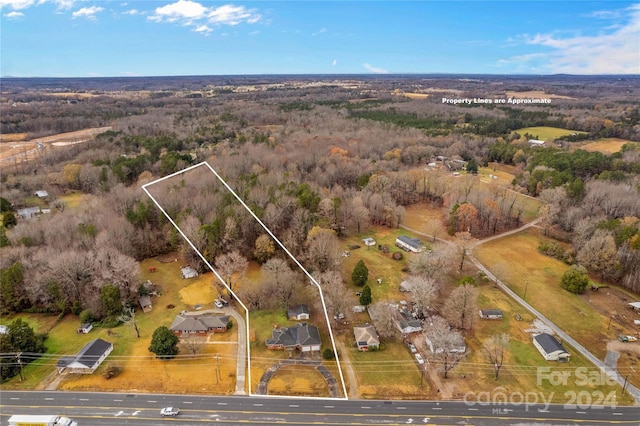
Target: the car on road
pixel 412 347
pixel 169 411
pixel 419 359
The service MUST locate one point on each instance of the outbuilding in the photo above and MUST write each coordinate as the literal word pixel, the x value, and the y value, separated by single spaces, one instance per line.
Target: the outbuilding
pixel 550 348
pixel 490 314
pixel 413 245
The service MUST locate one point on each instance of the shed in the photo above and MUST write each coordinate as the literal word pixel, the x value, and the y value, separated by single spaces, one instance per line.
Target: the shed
pixel 550 348
pixel 145 303
pixel 298 313
pixel 490 314
pixel 413 245
pixel 635 306
pixel 189 272
pixel 85 328
pixel 41 194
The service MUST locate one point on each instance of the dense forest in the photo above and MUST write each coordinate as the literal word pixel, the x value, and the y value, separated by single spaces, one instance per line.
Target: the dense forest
pixel 339 156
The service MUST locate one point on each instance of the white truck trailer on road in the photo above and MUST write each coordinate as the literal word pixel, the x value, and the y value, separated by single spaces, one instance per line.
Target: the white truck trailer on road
pixel 40 420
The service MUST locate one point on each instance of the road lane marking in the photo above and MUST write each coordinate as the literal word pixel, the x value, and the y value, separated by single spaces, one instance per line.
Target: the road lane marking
pixel 581 412
pixel 473 409
pixel 83 399
pixel 187 402
pixel 48 399
pixel 152 402
pixel 617 414
pixel 222 403
pixel 293 405
pixel 436 408
pixel 329 406
pixel 257 405
pixel 117 400
pixel 19 398
pixel 365 407
pixel 401 408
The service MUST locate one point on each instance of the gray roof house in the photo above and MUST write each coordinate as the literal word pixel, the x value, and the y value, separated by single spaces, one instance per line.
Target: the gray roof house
pixel 550 348
pixel 302 337
pixel 189 272
pixel 145 303
pixel 406 323
pixel 298 313
pixel 88 359
pixel 186 324
pixel 409 244
pixel 366 337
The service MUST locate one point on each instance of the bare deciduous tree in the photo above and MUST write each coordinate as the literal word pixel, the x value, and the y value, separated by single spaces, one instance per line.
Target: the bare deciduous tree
pixel 494 348
pixel 193 344
pixel 231 267
pixel 460 307
pixel 446 344
pixel 424 291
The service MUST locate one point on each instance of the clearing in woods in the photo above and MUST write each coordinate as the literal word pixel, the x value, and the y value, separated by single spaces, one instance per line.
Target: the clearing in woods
pixel 545 133
pixel 606 146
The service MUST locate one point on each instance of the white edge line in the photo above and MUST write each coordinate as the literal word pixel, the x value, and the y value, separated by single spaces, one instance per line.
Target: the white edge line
pixel 246 311
pixel 335 351
pixel 324 306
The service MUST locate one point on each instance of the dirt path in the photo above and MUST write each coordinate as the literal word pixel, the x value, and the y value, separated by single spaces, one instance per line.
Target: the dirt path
pixel 348 369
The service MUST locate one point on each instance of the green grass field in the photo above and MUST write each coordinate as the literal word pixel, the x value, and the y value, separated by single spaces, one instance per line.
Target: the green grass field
pixel 546 133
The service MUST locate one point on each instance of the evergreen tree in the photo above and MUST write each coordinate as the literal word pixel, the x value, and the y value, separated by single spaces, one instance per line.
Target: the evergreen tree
pixel 164 343
pixel 360 274
pixel 365 296
pixel 575 280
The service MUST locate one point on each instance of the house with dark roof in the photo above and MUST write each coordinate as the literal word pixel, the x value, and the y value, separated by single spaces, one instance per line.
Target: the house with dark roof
pixel 406 323
pixel 366 337
pixel 490 314
pixel 88 359
pixel 188 324
pixel 302 337
pixel 413 245
pixel 298 313
pixel 550 348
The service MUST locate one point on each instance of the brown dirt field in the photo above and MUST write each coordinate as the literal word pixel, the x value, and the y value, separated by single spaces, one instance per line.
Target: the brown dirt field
pixel 28 149
pixel 416 95
pixel 13 137
pixel 536 94
pixel 612 302
pixel 606 146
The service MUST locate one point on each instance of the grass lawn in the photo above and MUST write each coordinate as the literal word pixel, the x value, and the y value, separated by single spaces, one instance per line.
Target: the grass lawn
pixel 546 133
pixel 523 364
pixel 517 262
pixel 390 373
pixel 298 380
pixel 141 370
pixel 74 199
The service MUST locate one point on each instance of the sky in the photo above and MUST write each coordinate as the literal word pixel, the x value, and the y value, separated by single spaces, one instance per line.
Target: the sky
pixel 84 38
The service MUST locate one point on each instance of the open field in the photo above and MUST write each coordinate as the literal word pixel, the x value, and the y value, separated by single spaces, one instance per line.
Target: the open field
pixel 25 150
pixel 587 318
pixel 546 133
pixel 416 95
pixel 13 137
pixel 536 94
pixel 606 146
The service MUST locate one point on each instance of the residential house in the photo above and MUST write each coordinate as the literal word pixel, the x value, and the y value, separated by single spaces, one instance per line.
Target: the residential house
pixel 187 324
pixel 535 142
pixel 41 194
pixel 413 245
pixel 406 323
pixel 189 272
pixel 29 212
pixel 302 337
pixel 85 328
pixel 490 314
pixel 88 359
pixel 550 348
pixel 145 303
pixel 298 313
pixel 454 345
pixel 635 306
pixel 366 337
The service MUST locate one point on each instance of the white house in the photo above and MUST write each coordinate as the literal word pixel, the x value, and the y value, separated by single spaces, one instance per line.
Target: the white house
pixel 88 359
pixel 456 345
pixel 413 245
pixel 550 348
pixel 407 324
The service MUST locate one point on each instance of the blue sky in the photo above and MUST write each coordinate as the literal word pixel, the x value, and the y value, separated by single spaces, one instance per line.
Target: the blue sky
pixel 83 38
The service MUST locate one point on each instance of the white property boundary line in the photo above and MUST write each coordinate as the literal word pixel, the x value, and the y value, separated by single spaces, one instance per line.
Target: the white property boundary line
pixel 324 306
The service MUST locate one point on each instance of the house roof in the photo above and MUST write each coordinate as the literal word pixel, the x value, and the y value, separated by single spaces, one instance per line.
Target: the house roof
pixel 298 310
pixel 298 335
pixel 413 242
pixel 549 343
pixel 41 193
pixel 405 321
pixel 490 311
pixel 635 305
pixel 89 355
pixel 199 323
pixel 366 335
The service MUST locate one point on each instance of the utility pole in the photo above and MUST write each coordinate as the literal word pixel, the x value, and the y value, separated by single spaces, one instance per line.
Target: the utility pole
pixel 217 368
pixel 20 364
pixel 624 387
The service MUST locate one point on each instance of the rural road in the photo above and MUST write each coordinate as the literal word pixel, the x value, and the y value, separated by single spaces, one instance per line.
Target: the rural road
pixel 611 372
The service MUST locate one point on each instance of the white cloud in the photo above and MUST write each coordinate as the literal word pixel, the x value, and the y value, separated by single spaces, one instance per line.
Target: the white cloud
pixel 14 15
pixel 232 15
pixel 191 13
pixel 612 51
pixel 87 12
pixel 252 33
pixel 322 30
pixel 335 62
pixel 133 12
pixel 179 11
pixel 203 29
pixel 374 70
pixel 16 4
